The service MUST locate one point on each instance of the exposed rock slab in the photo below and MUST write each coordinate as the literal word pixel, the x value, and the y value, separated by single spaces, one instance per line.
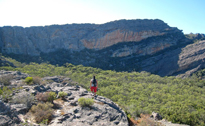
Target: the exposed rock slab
pixel 104 112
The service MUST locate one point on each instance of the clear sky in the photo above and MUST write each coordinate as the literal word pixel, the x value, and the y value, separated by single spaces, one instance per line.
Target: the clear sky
pixel 187 15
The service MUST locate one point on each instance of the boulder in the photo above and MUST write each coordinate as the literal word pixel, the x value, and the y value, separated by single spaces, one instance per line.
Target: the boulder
pixel 19 108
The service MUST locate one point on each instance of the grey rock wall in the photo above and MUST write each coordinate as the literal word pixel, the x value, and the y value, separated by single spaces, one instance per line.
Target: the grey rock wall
pixel 75 37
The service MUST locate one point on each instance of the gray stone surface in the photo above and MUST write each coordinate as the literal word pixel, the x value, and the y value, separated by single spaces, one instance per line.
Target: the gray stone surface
pixel 8 116
pixel 103 112
pixel 68 112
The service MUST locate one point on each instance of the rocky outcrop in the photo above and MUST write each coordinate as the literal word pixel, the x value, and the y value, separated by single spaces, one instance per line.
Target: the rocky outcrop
pixel 8 117
pixel 180 61
pixel 68 112
pixel 75 37
pixel 103 112
pixel 156 116
pixel 192 58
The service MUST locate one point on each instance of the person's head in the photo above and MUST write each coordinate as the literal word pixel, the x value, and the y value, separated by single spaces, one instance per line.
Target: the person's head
pixel 94 77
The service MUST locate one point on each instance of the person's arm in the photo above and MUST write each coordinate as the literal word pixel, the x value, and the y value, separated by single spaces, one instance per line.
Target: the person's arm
pixel 97 83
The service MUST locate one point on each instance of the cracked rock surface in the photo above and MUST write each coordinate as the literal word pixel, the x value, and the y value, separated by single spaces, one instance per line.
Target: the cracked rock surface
pixel 67 112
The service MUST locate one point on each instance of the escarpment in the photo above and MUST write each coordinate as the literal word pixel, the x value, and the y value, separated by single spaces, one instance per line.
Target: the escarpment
pixel 75 37
pixel 123 45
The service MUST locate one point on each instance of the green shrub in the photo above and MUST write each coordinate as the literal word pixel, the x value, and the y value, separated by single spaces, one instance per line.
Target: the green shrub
pixel 52 96
pixel 42 112
pixel 45 121
pixel 6 94
pixel 29 80
pixel 62 94
pixel 1 92
pixel 85 102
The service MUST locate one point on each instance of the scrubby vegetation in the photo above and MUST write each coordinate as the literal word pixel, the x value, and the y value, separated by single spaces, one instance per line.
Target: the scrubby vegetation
pixel 37 80
pixel 29 80
pixel 1 92
pixel 6 80
pixel 42 112
pixel 178 100
pixel 62 94
pixel 46 96
pixel 6 92
pixel 85 102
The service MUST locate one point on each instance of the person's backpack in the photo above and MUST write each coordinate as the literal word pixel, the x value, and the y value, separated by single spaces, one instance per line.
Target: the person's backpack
pixel 94 82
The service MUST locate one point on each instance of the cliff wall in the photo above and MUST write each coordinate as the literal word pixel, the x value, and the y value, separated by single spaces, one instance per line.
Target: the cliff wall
pixel 124 45
pixel 75 37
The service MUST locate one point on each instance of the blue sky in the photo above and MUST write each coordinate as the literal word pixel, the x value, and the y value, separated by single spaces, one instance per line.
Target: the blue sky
pixel 187 15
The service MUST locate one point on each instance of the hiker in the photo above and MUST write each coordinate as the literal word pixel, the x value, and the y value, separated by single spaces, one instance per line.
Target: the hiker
pixel 93 85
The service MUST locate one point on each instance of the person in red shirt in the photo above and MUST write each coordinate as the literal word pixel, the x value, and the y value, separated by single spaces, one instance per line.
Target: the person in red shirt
pixel 93 85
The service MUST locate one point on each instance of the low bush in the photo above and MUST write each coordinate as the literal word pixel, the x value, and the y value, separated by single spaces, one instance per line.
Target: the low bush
pixel 42 97
pixel 42 112
pixel 52 96
pixel 6 94
pixel 23 98
pixel 36 80
pixel 62 94
pixel 6 80
pixel 47 96
pixel 29 80
pixel 85 102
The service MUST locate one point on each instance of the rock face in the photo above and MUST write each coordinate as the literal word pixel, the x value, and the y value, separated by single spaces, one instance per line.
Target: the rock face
pixel 75 37
pixel 191 58
pixel 7 116
pixel 180 61
pixel 103 112
pixel 124 45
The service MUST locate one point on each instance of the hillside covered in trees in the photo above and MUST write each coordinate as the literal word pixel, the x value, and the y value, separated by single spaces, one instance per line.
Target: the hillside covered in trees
pixel 177 100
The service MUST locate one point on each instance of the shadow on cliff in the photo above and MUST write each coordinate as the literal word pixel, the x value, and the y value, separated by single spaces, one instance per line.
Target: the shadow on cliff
pixel 163 63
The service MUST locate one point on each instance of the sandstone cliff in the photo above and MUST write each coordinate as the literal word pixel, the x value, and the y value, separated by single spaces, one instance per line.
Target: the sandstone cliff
pixel 75 37
pixel 124 45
